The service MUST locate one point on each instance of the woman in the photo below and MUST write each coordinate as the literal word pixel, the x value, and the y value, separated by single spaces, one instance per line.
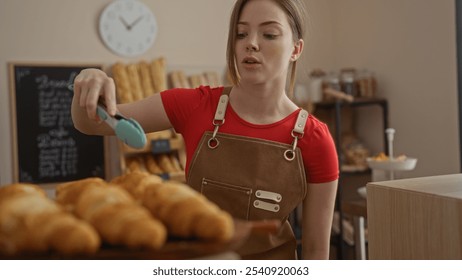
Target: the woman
pixel 269 156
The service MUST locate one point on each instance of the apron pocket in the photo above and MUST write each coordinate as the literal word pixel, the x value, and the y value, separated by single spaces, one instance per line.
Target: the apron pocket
pixel 231 198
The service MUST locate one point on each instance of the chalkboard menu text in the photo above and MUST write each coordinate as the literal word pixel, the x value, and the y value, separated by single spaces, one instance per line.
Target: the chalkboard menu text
pixel 48 149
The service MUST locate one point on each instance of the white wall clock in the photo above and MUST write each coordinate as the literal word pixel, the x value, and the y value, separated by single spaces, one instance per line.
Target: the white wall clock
pixel 127 27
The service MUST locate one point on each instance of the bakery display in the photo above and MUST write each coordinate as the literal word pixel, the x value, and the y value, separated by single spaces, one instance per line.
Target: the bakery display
pixel 137 213
pixel 161 164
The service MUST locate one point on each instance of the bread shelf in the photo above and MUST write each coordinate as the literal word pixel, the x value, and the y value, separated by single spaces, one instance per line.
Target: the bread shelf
pixel 155 146
pixel 348 170
pixel 162 156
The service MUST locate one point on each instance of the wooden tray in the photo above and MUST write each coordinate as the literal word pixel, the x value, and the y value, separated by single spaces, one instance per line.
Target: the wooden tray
pixel 173 249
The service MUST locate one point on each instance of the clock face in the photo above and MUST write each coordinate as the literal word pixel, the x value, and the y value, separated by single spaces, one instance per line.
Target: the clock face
pixel 127 27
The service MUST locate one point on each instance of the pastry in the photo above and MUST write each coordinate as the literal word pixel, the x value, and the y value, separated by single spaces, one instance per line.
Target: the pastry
pixel 32 222
pixel 185 212
pixel 116 215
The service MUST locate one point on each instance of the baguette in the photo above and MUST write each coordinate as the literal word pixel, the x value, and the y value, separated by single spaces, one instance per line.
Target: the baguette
pixel 165 163
pixel 31 222
pixel 175 163
pixel 151 164
pixel 146 81
pixel 122 83
pixel 175 80
pixel 212 78
pixel 158 74
pixel 135 82
pixel 197 80
pixel 134 164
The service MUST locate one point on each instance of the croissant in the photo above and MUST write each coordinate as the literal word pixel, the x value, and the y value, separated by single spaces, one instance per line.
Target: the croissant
pixel 31 222
pixel 68 193
pixel 113 212
pixel 132 183
pixel 8 191
pixel 185 212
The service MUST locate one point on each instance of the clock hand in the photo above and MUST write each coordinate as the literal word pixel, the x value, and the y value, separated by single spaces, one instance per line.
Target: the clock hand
pixel 135 22
pixel 127 26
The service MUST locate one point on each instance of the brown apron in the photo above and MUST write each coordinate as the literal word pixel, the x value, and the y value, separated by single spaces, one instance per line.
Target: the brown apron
pixel 253 179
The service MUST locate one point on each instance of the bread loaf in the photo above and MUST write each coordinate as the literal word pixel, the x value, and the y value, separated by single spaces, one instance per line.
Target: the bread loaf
pixel 175 163
pixel 31 222
pixel 151 164
pixel 146 81
pixel 134 164
pixel 135 82
pixel 165 163
pixel 197 80
pixel 122 82
pixel 212 78
pixel 185 212
pixel 158 74
pixel 113 212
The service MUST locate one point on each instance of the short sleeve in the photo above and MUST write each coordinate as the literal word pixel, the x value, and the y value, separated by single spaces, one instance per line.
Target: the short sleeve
pixel 179 104
pixel 320 157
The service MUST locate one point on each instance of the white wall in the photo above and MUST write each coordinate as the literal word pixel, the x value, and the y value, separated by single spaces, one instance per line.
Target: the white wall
pixel 410 44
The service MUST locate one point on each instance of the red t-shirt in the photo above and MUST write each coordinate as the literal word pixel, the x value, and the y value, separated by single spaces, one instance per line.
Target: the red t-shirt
pixel 191 112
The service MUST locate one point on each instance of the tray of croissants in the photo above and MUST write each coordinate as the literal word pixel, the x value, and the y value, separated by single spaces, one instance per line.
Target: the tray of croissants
pixel 133 216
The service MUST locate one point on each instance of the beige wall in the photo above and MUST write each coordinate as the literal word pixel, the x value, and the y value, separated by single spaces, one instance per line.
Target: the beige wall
pixel 191 36
pixel 410 44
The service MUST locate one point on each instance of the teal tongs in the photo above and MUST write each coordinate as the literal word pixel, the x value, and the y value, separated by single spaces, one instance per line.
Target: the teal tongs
pixel 126 129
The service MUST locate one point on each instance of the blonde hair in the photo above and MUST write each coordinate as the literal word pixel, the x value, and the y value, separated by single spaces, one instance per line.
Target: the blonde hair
pixel 295 11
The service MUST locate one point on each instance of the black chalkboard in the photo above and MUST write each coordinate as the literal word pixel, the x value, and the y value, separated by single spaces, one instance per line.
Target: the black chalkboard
pixel 48 149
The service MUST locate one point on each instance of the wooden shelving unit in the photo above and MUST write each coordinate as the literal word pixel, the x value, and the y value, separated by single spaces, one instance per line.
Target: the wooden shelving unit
pixel 336 108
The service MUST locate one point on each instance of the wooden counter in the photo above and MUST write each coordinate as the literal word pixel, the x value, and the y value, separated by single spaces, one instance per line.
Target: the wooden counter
pixel 418 218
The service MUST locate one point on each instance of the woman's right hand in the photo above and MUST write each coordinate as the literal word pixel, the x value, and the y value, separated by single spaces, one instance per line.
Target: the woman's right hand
pixel 89 86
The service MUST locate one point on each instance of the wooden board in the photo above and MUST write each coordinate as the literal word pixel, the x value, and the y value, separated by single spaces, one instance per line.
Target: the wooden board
pixel 173 249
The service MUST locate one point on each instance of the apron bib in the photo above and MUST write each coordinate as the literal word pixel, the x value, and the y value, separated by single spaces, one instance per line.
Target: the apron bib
pixel 252 179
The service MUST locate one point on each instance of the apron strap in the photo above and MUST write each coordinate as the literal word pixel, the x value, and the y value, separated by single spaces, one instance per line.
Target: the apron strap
pixel 219 119
pixel 297 133
pixel 221 108
pixel 300 123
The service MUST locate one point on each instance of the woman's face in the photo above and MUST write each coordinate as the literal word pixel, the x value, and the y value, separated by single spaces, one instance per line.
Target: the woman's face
pixel 264 44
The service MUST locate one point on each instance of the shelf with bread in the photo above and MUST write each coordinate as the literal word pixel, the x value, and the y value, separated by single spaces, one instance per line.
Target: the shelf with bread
pixel 164 153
